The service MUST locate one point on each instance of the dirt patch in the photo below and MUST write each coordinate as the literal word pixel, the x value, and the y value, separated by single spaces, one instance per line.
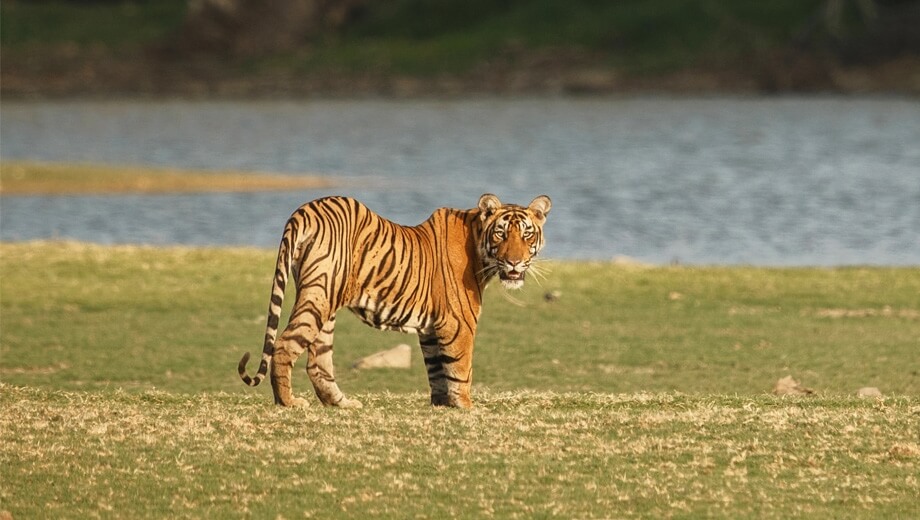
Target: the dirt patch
pixel 884 312
pixel 41 371
pixel 905 450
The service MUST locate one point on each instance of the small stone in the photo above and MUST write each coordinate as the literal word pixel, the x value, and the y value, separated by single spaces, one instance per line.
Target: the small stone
pixel 869 391
pixel 674 296
pixel 399 356
pixel 552 296
pixel 789 386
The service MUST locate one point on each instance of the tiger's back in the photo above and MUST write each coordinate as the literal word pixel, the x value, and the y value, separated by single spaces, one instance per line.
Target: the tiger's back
pixel 426 279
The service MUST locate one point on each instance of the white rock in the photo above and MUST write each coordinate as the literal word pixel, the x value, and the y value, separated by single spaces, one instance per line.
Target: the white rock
pixel 789 386
pixel 869 391
pixel 399 356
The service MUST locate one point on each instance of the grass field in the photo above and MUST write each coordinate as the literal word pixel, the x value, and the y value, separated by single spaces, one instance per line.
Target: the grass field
pixel 638 392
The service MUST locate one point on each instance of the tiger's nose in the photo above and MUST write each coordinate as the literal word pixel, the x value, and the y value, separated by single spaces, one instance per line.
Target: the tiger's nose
pixel 517 267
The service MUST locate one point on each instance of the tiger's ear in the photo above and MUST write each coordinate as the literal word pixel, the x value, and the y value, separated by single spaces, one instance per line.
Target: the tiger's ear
pixel 488 204
pixel 540 207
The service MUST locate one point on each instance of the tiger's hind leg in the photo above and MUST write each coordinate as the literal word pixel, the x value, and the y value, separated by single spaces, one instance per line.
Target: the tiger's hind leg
pixel 322 372
pixel 288 348
pixel 304 327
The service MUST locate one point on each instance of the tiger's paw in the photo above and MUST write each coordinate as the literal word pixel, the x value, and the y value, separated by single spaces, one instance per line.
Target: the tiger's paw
pixel 299 402
pixel 465 404
pixel 349 403
pixel 440 400
pixel 292 402
pixel 451 402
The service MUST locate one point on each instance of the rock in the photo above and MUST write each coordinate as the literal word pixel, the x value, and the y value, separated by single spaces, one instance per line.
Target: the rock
pixel 399 356
pixel 901 450
pixel 869 391
pixel 552 296
pixel 789 386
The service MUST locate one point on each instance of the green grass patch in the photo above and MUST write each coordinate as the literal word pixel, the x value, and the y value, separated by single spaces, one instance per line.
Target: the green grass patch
pixel 80 316
pixel 640 391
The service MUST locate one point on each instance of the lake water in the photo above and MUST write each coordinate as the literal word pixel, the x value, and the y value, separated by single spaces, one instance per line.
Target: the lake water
pixel 764 181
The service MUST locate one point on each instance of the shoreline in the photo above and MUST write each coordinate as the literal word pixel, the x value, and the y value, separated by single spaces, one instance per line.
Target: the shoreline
pixel 106 75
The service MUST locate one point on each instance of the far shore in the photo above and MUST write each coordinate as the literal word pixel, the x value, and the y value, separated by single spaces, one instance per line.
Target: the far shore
pixel 37 178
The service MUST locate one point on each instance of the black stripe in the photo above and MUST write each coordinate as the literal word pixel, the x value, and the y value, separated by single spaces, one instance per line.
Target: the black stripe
pixel 444 359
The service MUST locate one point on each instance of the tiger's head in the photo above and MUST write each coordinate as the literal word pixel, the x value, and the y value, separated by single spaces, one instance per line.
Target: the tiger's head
pixel 511 237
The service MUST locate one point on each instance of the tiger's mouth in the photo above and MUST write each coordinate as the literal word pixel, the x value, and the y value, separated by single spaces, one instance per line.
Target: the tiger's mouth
pixel 511 276
pixel 511 279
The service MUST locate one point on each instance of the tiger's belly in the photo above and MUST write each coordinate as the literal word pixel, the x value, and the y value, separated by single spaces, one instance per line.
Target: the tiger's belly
pixel 393 318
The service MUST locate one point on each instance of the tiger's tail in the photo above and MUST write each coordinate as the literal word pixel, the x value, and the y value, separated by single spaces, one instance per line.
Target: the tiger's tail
pixel 286 250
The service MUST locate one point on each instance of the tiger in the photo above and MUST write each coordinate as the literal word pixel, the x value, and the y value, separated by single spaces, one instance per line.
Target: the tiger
pixel 426 279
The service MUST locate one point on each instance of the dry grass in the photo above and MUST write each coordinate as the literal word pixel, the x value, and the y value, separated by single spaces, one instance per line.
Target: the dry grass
pixel 27 178
pixel 517 455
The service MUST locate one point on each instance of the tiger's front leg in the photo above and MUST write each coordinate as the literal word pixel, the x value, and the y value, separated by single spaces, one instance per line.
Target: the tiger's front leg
pixel 450 367
pixel 431 351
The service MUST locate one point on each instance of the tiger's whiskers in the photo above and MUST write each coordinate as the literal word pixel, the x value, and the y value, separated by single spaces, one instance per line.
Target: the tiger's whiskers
pixel 539 271
pixel 506 294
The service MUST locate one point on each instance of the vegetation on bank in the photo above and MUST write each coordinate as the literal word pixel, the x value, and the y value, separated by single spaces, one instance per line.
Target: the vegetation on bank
pixel 634 36
pixel 588 44
pixel 470 31
pixel 30 178
pixel 31 24
pixel 632 391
